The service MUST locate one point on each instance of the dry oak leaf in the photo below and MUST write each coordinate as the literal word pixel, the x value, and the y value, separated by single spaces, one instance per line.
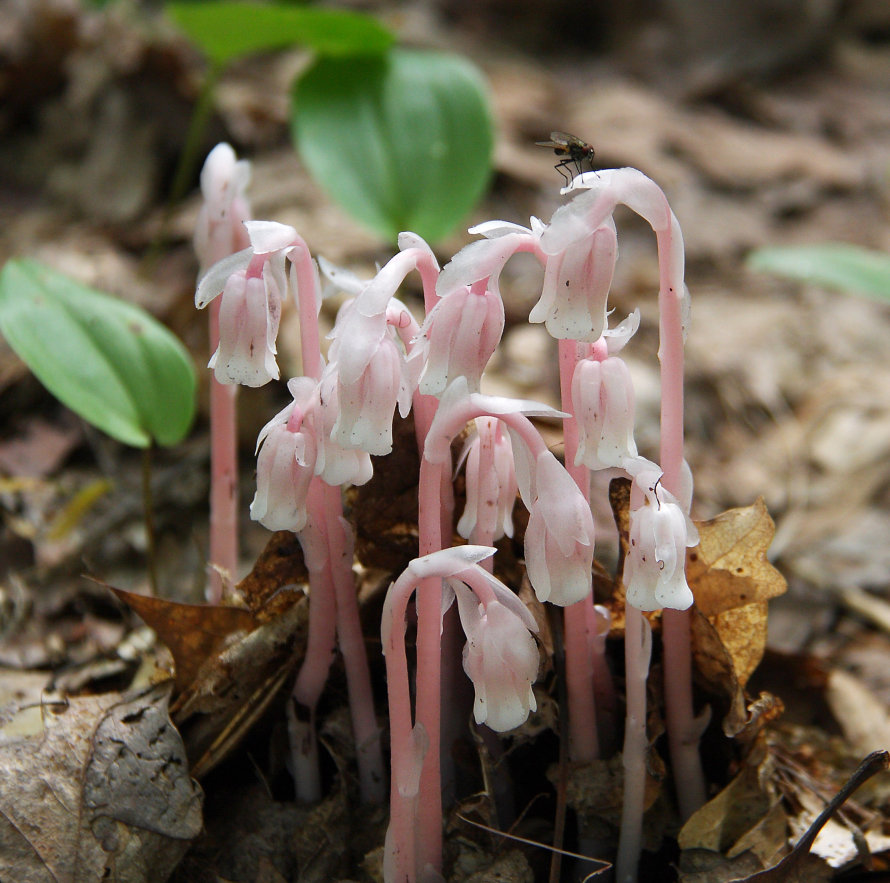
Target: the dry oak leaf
pixel 193 633
pixel 732 582
pixel 101 792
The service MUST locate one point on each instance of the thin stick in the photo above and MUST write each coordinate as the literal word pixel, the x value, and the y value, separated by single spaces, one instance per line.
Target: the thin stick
pixel 148 516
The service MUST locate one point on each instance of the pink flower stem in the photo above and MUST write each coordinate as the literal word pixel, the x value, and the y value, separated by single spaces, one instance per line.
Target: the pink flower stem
pixel 339 582
pixel 429 665
pixel 682 728
pixel 223 475
pixel 478 536
pixel 223 443
pixel 583 740
pixel 320 642
pixel 409 849
pixel 429 627
pixel 637 653
pixel 369 753
pixel 402 803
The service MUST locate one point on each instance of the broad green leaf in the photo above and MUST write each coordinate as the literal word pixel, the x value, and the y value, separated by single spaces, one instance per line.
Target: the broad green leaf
pixel 107 360
pixel 229 29
pixel 402 142
pixel 833 264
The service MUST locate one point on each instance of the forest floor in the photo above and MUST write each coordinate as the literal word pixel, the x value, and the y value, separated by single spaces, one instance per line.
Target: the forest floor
pixel 787 397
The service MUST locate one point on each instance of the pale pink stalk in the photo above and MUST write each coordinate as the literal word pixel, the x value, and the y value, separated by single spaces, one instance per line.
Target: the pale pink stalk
pixel 408 852
pixel 369 753
pixel 637 652
pixel 219 233
pixel 320 642
pixel 683 729
pixel 583 738
pixel 643 196
pixel 456 408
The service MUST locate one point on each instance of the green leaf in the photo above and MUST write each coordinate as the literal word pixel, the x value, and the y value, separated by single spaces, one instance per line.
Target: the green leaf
pixel 833 264
pixel 107 360
pixel 402 142
pixel 229 29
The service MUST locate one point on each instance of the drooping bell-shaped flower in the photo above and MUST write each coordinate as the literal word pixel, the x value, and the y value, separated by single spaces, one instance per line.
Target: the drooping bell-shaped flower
pixel 500 658
pixel 287 448
pixel 249 315
pixel 490 482
pixel 560 534
pixel 660 533
pixel 603 404
pixel 458 337
pixel 219 230
pixel 335 464
pixel 577 278
pixel 372 378
pixel 253 284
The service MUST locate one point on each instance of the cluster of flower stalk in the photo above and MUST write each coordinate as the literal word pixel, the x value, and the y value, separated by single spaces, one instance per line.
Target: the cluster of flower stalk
pixel 381 358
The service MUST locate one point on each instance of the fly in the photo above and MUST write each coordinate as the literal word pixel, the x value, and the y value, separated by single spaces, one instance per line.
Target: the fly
pixel 571 150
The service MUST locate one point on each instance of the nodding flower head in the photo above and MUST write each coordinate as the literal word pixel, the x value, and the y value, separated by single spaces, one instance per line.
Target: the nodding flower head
pixel 372 377
pixel 459 336
pixel 253 284
pixel 603 404
pixel 500 658
pixel 220 227
pixel 660 532
pixel 287 448
pixel 559 536
pixel 249 316
pixel 576 286
pixel 491 483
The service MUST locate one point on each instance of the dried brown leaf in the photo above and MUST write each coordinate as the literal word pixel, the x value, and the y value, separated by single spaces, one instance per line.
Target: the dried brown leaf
pixel 232 689
pixel 193 633
pixel 101 793
pixel 724 819
pixel 732 581
pixel 729 569
pixel 280 565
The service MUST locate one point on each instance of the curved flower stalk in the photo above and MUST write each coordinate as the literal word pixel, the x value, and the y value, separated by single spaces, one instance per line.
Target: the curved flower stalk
pixel 220 232
pixel 501 659
pixel 456 408
pixel 293 446
pixel 559 538
pixel 573 223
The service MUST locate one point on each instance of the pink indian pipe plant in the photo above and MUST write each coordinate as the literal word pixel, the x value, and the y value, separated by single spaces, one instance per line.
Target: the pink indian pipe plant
pixel 299 472
pixel 220 232
pixel 660 526
pixel 558 551
pixel 578 251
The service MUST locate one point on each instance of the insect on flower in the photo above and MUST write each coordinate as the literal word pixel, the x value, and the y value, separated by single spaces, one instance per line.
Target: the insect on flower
pixel 571 150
